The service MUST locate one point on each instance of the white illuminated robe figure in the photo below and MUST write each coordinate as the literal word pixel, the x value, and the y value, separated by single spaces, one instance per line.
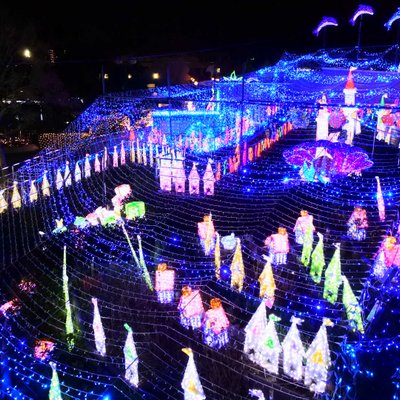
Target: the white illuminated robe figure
pixel 87 166
pixel 255 330
pixel 194 180
pixel 77 173
pixel 293 351
pixel 67 175
pixel 268 348
pixel 45 185
pixel 115 157
pixel 318 360
pixel 99 336
pixel 97 167
pixel 131 358
pixel 123 154
pixel 59 179
pixel 193 390
pixel 105 158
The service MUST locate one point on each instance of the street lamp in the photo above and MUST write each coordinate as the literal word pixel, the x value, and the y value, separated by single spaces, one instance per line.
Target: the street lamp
pixel 27 53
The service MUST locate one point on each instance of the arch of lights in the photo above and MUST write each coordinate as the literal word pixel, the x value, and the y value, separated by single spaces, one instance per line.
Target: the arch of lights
pixel 80 316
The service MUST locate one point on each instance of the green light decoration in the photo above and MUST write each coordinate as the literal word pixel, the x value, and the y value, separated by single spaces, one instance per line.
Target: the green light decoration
pixel 55 391
pixel 69 326
pixel 353 309
pixel 307 246
pixel 318 260
pixel 146 275
pixel 333 277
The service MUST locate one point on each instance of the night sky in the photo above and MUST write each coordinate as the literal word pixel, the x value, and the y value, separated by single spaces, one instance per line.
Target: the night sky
pixel 144 28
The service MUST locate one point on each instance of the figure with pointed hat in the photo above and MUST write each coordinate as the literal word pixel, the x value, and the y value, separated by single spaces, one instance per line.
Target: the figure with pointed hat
pixel 237 268
pixel 131 358
pixel 318 360
pixel 293 351
pixel 268 349
pixel 194 180
pixel 267 283
pixel 193 390
pixel 254 330
pixel 209 179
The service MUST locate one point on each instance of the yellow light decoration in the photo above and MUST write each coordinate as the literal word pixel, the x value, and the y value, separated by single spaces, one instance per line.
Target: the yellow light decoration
pixel 210 234
pixel 3 202
pixel 33 193
pixel 16 197
pixel 217 257
pixel 237 268
pixel 267 284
